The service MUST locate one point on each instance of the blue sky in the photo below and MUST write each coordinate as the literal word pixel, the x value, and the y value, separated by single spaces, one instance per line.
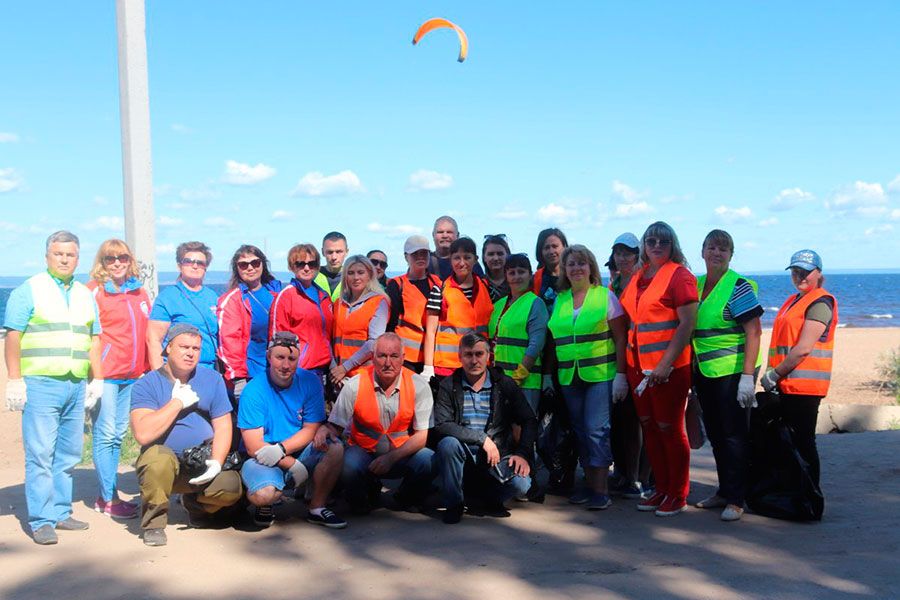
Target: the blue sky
pixel 273 123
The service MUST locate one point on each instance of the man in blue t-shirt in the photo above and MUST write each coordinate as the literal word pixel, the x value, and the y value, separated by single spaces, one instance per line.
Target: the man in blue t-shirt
pixel 179 406
pixel 278 416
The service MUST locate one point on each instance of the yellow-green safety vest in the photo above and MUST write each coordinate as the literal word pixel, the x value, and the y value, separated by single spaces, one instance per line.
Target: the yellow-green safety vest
pixel 584 345
pixel 509 332
pixel 322 281
pixel 719 344
pixel 57 338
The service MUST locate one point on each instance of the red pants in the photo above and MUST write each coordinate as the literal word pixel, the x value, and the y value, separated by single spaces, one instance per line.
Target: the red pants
pixel 661 412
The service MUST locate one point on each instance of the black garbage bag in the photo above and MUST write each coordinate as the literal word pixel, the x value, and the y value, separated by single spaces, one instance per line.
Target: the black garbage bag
pixel 780 485
pixel 556 444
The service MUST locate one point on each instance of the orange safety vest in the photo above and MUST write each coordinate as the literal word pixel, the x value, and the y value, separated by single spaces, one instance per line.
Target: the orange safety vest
pixel 367 430
pixel 538 279
pixel 411 324
pixel 653 324
pixel 462 317
pixel 813 375
pixel 351 330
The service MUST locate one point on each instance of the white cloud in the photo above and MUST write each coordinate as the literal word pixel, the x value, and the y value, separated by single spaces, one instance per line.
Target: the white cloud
pixel 864 199
pixel 768 222
pixel 244 174
pixel 895 214
pixel 8 138
pixel 556 213
pixel 282 215
pixel 630 202
pixel 166 221
pixel 316 184
pixel 749 245
pixel 181 128
pixel 636 209
pixel 204 192
pixel 625 192
pixel 789 198
pixel 728 214
pixel 10 180
pixel 218 222
pixel 510 213
pixel 106 223
pixel 7 227
pixel 894 185
pixel 178 205
pixel 165 248
pixel 879 229
pixel 100 201
pixel 395 231
pixel 425 181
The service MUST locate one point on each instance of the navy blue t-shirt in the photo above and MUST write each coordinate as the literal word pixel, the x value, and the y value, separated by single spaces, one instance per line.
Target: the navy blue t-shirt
pixel 193 426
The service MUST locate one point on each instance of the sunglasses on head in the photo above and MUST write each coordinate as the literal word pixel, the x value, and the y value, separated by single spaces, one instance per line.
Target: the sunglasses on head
pixel 495 236
pixel 302 264
pixel 196 262
pixel 285 339
pixel 122 258
pixel 654 242
pixel 249 264
pixel 378 263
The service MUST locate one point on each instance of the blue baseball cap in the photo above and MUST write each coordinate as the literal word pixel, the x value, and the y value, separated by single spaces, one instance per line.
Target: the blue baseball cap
pixel 629 240
pixel 806 259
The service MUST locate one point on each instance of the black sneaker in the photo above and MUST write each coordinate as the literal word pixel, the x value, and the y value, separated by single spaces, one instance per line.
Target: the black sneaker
pixel 327 518
pixel 155 537
pixel 453 514
pixel 263 516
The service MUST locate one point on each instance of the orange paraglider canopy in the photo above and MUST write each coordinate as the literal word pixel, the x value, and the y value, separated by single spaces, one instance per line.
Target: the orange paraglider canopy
pixel 438 23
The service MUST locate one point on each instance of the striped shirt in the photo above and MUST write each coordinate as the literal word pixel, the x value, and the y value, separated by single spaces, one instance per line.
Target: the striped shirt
pixel 476 405
pixel 743 304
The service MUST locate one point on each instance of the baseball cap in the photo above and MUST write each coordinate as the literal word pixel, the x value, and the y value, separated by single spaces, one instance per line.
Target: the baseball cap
pixel 627 239
pixel 806 259
pixel 174 331
pixel 415 243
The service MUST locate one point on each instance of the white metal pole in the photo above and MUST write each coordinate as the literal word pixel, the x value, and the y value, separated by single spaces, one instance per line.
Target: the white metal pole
pixel 134 106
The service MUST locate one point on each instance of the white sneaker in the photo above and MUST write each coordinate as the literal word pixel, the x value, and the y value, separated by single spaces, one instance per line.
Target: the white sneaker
pixel 732 512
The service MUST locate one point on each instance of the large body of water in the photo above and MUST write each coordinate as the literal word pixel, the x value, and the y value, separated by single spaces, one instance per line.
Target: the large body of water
pixel 864 300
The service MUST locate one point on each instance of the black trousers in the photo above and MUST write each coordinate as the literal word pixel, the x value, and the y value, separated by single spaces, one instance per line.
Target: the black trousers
pixel 726 426
pixel 800 413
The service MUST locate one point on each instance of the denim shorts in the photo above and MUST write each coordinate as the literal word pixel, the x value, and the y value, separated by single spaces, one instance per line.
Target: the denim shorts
pixel 257 476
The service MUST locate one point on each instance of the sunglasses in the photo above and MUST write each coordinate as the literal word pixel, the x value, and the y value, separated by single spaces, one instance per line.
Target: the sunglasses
pixel 654 242
pixel 378 263
pixel 302 264
pixel 122 258
pixel 501 236
pixel 285 339
pixel 243 265
pixel 196 262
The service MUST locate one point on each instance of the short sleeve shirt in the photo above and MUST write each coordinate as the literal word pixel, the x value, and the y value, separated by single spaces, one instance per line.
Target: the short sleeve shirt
pixel 178 304
pixel 194 425
pixel 20 307
pixel 282 412
pixel 342 412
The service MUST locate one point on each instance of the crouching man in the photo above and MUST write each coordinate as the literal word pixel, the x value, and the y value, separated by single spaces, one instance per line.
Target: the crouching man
pixel 278 417
pixel 177 407
pixel 479 451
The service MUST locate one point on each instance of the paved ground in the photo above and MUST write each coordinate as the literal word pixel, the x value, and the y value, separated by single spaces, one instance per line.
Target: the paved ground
pixel 548 551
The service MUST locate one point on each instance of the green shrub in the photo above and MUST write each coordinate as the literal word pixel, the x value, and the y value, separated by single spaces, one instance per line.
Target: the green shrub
pixel 889 372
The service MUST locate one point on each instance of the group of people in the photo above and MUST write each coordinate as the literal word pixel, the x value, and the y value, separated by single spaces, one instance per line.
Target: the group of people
pixel 329 383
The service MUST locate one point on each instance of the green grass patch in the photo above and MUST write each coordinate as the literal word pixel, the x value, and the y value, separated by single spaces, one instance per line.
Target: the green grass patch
pixel 127 456
pixel 889 372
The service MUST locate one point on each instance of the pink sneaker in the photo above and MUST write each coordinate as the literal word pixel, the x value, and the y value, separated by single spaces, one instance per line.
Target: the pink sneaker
pixel 116 510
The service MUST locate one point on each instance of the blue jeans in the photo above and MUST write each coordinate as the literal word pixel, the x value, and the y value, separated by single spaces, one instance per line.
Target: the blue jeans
pixel 416 470
pixel 52 434
pixel 455 461
pixel 588 405
pixel 257 476
pixel 110 425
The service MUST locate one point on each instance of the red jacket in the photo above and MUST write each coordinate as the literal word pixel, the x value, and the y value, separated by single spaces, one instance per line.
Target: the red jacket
pixel 235 320
pixel 294 311
pixel 123 319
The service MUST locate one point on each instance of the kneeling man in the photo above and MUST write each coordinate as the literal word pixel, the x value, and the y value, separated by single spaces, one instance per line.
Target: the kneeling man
pixel 278 417
pixel 179 406
pixel 475 413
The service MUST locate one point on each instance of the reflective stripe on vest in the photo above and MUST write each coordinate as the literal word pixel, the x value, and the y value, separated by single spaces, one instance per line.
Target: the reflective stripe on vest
pixel 462 317
pixel 584 345
pixel 719 344
pixel 813 375
pixel 411 324
pixel 57 338
pixel 351 330
pixel 366 430
pixel 653 323
pixel 508 329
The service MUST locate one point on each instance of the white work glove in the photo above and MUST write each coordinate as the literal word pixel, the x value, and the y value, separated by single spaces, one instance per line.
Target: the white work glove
pixel 298 473
pixel 16 394
pixel 269 455
pixel 746 395
pixel 213 468
pixel 427 372
pixel 92 394
pixel 619 388
pixel 644 383
pixel 184 394
pixel 769 381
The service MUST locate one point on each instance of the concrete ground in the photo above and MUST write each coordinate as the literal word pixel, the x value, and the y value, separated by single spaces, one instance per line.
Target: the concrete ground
pixel 548 551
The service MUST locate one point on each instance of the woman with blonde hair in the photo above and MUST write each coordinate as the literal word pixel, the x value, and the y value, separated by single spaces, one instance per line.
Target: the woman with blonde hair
pixel 123 307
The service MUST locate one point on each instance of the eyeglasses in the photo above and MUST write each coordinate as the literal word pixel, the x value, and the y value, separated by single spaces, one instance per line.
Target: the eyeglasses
pixel 122 258
pixel 285 339
pixel 243 265
pixel 196 262
pixel 378 263
pixel 654 242
pixel 302 264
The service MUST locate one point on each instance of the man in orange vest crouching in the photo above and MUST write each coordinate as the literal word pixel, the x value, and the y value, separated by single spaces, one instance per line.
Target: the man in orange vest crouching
pixel 387 410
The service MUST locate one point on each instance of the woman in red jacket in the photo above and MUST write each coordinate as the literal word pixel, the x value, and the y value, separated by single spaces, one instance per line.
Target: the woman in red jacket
pixel 305 309
pixel 123 307
pixel 243 313
pixel 661 302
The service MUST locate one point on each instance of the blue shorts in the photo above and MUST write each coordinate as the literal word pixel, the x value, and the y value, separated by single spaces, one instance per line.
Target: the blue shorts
pixel 257 476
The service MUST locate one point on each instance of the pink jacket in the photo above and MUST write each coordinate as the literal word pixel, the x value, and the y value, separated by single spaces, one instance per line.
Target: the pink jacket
pixel 235 320
pixel 123 319
pixel 294 311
